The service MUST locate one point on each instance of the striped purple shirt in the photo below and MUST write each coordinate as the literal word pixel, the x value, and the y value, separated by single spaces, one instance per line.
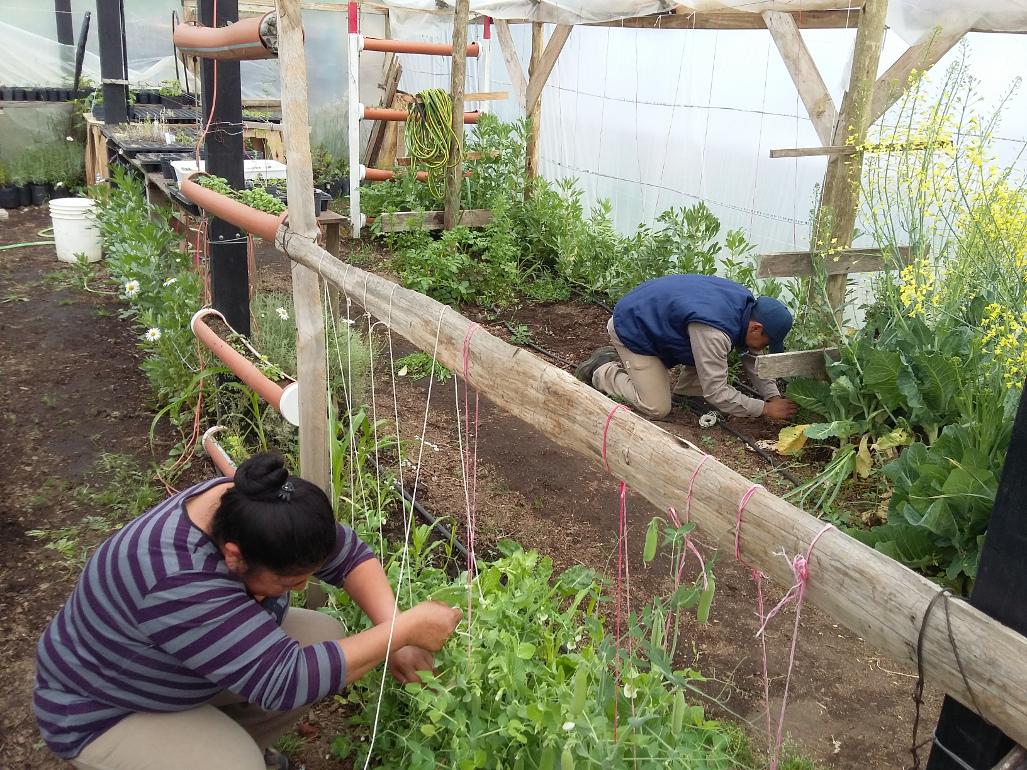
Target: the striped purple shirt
pixel 156 623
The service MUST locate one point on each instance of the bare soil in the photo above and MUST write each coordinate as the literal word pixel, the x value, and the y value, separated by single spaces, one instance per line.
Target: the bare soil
pixel 72 389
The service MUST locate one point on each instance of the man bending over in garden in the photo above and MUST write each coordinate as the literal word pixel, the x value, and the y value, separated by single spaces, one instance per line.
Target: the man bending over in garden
pixel 695 321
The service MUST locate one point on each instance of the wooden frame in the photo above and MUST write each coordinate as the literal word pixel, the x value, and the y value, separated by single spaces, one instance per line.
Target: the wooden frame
pixel 799 264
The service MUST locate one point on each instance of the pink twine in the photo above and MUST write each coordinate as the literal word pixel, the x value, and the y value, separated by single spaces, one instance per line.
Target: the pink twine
pixel 622 553
pixel 738 519
pixel 606 430
pixel 796 594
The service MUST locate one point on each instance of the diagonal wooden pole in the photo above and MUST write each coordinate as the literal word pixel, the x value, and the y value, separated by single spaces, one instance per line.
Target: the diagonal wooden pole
pixel 455 170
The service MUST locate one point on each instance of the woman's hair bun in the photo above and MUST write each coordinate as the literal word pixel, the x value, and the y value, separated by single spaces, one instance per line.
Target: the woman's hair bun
pixel 261 475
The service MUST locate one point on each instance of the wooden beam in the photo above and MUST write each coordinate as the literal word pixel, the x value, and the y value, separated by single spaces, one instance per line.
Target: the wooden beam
pixel 393 71
pixel 800 65
pixel 836 218
pixel 401 221
pixel 799 264
pixel 729 20
pixel 797 363
pixel 921 56
pixel 540 74
pixel 810 152
pixel 876 597
pixel 458 82
pixel 486 96
pixel 513 63
pixel 531 155
pixel 311 373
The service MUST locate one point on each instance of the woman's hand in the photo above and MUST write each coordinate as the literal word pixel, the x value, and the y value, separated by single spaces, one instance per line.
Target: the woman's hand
pixel 429 625
pixel 406 662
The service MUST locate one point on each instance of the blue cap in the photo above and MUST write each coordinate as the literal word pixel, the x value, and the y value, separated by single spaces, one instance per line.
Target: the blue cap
pixel 776 320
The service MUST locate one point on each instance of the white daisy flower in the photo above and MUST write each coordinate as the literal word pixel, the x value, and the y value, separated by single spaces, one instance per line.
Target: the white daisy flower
pixel 170 281
pixel 152 335
pixel 568 726
pixel 282 313
pixel 131 288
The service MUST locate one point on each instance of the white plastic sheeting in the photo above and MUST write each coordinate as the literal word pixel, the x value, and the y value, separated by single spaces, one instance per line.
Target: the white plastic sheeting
pixel 653 119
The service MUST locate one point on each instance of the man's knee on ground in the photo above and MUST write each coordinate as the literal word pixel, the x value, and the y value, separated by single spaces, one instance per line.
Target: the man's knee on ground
pixel 655 411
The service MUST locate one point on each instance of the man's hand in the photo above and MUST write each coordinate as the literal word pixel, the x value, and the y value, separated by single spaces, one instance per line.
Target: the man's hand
pixel 405 662
pixel 780 408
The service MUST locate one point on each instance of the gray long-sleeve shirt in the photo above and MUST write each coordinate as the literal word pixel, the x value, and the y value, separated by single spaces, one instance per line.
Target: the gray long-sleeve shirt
pixel 710 348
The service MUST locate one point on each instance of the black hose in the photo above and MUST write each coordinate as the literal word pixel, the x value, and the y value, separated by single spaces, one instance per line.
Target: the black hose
pixel 543 351
pixel 433 522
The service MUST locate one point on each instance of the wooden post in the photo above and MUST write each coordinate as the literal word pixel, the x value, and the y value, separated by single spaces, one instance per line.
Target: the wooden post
pixel 353 118
pixel 998 591
pixel 110 23
pixel 65 26
pixel 534 113
pixel 513 63
pixel 226 244
pixel 870 593
pixel 836 219
pixel 455 173
pixel 306 287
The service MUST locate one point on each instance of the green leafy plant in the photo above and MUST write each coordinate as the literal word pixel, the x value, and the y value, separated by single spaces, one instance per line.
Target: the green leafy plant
pixel 170 88
pixel 419 366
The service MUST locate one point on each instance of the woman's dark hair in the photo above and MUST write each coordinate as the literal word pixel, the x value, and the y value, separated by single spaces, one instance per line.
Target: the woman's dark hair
pixel 280 522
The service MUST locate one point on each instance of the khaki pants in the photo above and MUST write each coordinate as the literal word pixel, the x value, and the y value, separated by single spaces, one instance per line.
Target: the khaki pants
pixel 643 380
pixel 224 734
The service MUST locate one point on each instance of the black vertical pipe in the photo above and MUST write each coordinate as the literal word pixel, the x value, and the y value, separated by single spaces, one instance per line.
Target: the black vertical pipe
pixel 222 114
pixel 110 22
pixel 999 592
pixel 65 27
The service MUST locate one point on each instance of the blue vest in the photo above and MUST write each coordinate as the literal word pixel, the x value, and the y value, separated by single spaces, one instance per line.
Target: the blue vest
pixel 652 319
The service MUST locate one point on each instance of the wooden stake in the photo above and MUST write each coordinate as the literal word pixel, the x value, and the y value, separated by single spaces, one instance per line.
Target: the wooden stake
pixel 535 113
pixel 455 173
pixel 541 73
pixel 513 63
pixel 311 370
pixel 841 182
pixel 870 593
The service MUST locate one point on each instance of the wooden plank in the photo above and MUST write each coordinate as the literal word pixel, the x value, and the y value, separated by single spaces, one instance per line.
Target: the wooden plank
pixel 541 71
pixel 836 217
pixel 311 370
pixel 876 597
pixel 797 363
pixel 487 96
pixel 400 221
pixel 809 152
pixel 920 56
pixel 805 74
pixel 513 63
pixel 375 143
pixel 457 85
pixel 799 264
pixel 728 20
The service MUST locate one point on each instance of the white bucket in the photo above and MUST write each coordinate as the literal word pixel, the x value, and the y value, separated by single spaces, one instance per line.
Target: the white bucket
pixel 74 230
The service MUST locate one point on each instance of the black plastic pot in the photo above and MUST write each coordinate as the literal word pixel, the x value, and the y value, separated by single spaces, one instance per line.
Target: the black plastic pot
pixel 38 94
pixel 25 195
pixel 41 193
pixel 18 94
pixel 167 169
pixel 338 187
pixel 7 94
pixel 97 111
pixel 65 94
pixel 61 192
pixel 52 94
pixel 9 198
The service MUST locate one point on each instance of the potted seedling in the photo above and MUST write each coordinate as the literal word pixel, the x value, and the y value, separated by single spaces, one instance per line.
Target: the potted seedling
pixel 20 181
pixel 9 198
pixel 172 96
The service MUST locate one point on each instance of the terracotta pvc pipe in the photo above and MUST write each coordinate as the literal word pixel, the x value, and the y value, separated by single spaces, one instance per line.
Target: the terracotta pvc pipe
pixel 415 46
pixel 379 113
pixel 285 400
pixel 239 214
pixel 240 41
pixel 381 175
pixel 217 453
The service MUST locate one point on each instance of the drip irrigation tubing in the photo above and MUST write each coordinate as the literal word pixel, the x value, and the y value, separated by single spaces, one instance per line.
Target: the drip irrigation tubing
pixel 748 441
pixel 543 351
pixel 433 522
pixel 42 234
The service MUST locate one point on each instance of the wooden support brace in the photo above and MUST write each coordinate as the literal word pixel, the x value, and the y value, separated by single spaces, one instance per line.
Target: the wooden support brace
pixel 458 82
pixel 796 363
pixel 513 63
pixel 799 264
pixel 393 71
pixel 810 85
pixel 540 74
pixel 922 55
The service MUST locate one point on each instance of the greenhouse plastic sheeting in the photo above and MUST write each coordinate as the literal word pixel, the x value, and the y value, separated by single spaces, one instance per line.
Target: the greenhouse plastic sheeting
pixel 908 18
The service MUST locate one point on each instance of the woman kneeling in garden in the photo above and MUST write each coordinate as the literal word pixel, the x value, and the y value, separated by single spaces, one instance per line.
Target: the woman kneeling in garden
pixel 177 648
